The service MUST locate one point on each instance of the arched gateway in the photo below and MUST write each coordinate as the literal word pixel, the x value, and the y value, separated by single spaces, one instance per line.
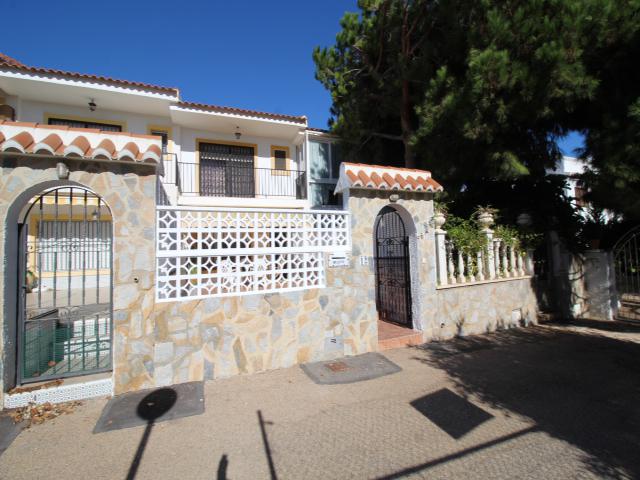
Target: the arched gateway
pixel 65 305
pixel 393 275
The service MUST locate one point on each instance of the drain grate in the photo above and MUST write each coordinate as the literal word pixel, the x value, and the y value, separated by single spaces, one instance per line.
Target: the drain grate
pixel 337 366
pixel 350 369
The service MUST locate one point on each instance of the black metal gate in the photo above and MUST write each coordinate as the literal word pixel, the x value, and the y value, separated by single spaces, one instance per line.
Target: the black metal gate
pixel 65 326
pixel 392 269
pixel 626 258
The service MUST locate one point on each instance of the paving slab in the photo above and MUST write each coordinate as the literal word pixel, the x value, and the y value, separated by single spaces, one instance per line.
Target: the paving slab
pixel 350 369
pixel 152 406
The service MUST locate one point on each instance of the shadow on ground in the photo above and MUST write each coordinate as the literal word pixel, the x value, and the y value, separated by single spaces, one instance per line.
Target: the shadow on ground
pixel 579 388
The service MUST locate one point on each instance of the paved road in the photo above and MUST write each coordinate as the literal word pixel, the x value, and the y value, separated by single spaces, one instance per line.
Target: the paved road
pixel 543 402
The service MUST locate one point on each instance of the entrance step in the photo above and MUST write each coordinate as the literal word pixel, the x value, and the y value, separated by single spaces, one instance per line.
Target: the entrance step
pixel 394 336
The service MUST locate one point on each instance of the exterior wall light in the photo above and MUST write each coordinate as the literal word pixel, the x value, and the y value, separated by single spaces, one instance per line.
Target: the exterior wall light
pixel 92 105
pixel 393 198
pixel 62 171
pixel 238 134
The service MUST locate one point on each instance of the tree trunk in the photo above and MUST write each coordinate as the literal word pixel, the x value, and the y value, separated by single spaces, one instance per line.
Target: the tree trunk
pixel 405 123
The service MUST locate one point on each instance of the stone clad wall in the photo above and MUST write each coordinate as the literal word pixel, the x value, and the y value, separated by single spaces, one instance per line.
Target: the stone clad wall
pixel 475 309
pixel 129 191
pixel 416 209
pixel 220 337
pixel 158 344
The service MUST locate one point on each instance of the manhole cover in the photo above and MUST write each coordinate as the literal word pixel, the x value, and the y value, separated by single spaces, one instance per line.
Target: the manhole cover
pixel 337 366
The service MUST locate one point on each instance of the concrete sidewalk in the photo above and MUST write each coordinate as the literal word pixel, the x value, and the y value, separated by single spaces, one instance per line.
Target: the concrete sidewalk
pixel 542 402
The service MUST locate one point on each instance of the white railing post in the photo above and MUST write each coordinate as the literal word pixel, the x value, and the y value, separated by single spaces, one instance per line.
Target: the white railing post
pixel 490 260
pixel 441 256
pixel 450 268
pixel 529 262
pixel 496 256
pixel 520 263
pixel 470 275
pixel 503 261
pixel 461 278
pixel 480 263
pixel 512 262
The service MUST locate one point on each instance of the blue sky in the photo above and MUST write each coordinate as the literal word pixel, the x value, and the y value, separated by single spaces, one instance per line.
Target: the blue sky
pixel 250 54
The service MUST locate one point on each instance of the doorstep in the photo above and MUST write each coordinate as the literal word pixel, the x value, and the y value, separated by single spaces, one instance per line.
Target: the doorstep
pixel 392 336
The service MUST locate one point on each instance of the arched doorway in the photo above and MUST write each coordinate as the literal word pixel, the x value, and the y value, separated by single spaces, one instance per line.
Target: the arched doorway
pixel 65 286
pixel 393 275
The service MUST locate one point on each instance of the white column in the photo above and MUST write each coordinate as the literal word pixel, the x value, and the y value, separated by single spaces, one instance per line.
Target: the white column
pixel 461 278
pixel 529 262
pixel 496 255
pixel 512 262
pixel 450 268
pixel 441 256
pixel 503 261
pixel 480 263
pixel 520 263
pixel 490 259
pixel 470 274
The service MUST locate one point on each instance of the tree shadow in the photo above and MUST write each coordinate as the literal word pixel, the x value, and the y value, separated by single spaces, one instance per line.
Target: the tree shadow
pixel 576 387
pixel 150 408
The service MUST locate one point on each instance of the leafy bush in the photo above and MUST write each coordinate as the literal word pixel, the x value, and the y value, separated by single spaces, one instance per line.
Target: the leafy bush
pixel 465 235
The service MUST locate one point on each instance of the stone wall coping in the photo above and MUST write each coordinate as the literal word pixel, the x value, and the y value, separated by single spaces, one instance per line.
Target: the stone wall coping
pixel 484 282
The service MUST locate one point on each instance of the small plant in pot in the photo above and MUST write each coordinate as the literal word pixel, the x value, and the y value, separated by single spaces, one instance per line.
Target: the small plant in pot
pixel 485 216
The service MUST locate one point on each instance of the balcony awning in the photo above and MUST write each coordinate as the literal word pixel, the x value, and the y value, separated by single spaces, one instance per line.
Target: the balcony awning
pixel 27 138
pixel 376 177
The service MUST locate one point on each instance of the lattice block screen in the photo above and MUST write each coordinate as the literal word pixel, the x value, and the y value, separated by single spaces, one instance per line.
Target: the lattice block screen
pixel 205 253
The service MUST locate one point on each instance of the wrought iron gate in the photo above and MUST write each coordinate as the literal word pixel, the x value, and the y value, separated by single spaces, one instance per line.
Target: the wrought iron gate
pixel 65 325
pixel 626 255
pixel 392 269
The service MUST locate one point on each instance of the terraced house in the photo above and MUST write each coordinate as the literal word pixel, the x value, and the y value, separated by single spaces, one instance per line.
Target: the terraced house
pixel 149 241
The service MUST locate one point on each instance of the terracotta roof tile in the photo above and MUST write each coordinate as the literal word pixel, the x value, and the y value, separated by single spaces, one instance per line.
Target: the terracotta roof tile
pixel 12 63
pixel 8 62
pixel 358 175
pixel 90 144
pixel 241 111
pixel 50 144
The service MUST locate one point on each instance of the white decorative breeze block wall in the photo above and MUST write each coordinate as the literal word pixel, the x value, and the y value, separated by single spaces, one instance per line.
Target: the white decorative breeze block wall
pixel 212 252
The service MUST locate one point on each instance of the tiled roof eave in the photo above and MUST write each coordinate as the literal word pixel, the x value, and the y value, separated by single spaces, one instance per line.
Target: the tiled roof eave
pixel 382 178
pixel 300 120
pixel 43 141
pixel 174 92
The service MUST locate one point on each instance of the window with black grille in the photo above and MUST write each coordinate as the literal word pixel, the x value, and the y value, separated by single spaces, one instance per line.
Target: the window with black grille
pixel 279 159
pixel 227 170
pixel 106 127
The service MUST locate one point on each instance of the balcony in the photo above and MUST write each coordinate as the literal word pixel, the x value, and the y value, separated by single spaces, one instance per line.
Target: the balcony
pixel 235 180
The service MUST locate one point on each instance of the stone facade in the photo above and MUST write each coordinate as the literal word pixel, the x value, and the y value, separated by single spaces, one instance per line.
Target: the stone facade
pixel 159 344
pixel 481 308
pixel 129 191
